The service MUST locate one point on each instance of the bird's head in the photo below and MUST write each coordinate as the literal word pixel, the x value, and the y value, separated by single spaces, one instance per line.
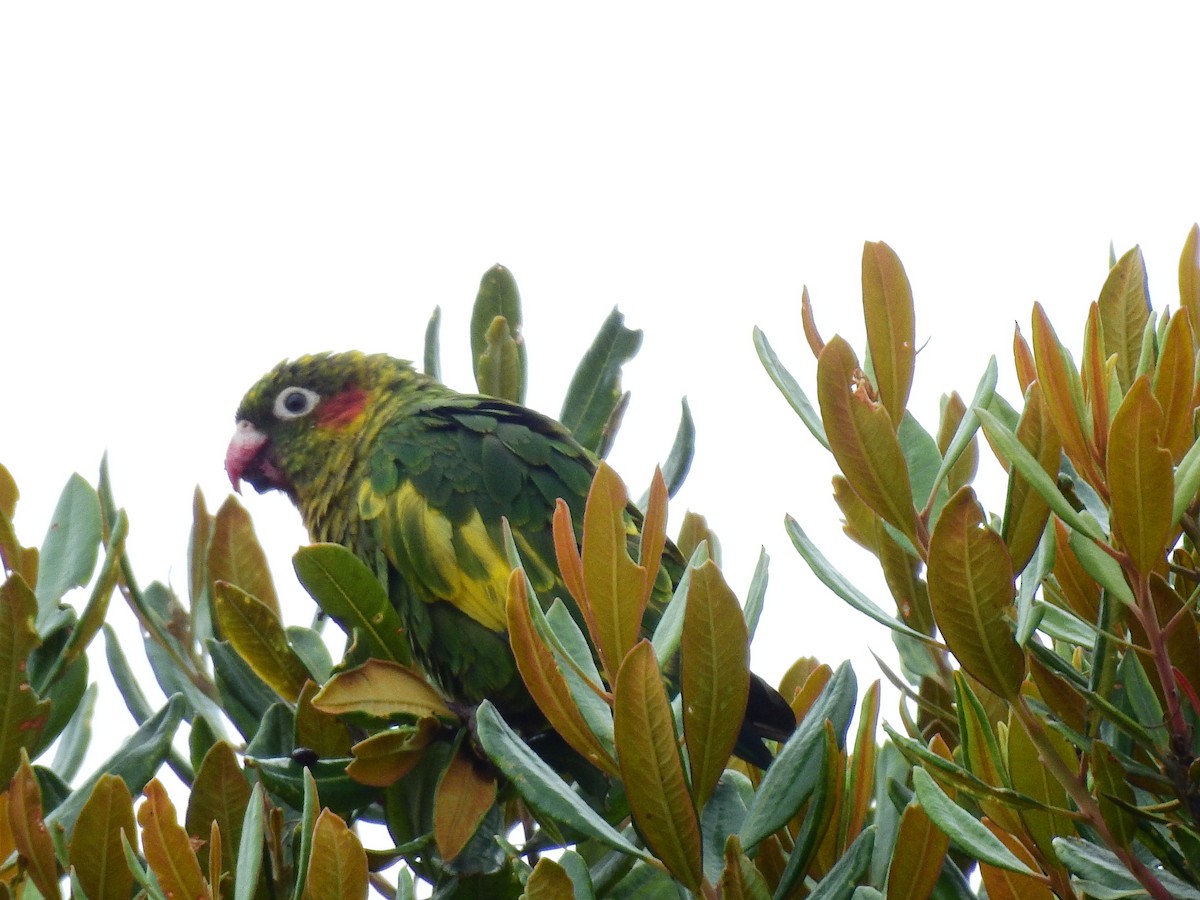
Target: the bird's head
pixel 304 415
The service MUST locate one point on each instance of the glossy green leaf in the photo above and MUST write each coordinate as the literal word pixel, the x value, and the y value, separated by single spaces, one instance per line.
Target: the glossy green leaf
pixel 793 776
pixel 498 352
pixel 235 555
pixel 965 831
pixel 891 325
pixel 1100 565
pixel 257 634
pixel 308 820
pixel 817 819
pixel 840 881
pixel 862 438
pixel 715 677
pixel 652 767
pixel 76 738
pixel 352 596
pixel 95 850
pixel 284 779
pixel 1140 477
pixel 756 594
pixel 595 389
pixel 1103 875
pixel 22 714
pixel 541 787
pixel 1124 309
pixel 70 549
pixel 971 591
pixel 789 387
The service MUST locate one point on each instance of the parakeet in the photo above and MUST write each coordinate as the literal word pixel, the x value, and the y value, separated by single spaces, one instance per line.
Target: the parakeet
pixel 414 478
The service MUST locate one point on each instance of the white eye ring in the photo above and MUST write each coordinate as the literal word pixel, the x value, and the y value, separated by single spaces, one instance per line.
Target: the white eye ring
pixel 294 402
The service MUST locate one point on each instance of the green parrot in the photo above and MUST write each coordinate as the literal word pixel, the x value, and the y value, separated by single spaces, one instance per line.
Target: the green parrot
pixel 414 478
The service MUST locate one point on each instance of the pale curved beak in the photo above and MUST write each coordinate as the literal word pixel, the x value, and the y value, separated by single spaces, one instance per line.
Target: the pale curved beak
pixel 244 449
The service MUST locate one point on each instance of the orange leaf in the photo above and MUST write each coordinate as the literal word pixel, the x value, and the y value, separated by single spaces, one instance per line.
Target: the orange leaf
pixel 715 676
pixel 1063 393
pixel 1079 589
pixel 815 342
pixel 464 796
pixel 953 410
pixel 862 438
pixel 540 672
pixel 891 326
pixel 338 865
pixel 566 550
pixel 1174 385
pixel 387 756
pixel 1002 884
pixel 861 783
pixel 1026 511
pixel 1140 478
pixel 1095 380
pixel 971 591
pixel 1023 359
pixel 28 828
pixel 652 767
pixel 654 534
pixel 918 855
pixel 612 580
pixel 166 846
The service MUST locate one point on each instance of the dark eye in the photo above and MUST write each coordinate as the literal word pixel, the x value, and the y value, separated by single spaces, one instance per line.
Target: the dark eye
pixel 294 402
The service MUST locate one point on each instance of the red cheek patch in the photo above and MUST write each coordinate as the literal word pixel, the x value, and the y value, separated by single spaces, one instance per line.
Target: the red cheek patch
pixel 341 409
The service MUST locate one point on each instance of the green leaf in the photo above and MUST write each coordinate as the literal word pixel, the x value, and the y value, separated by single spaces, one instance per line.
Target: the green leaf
pixel 22 714
pixel 836 582
pixel 136 761
pixel 70 550
pixel 250 849
pixel 839 882
pixel 433 362
pixel 964 830
pixel 595 389
pixel 652 767
pixel 1101 566
pixel 1033 472
pixel 284 778
pixel 1105 876
pixel 76 737
pixel 541 787
pixel 793 776
pixel 491 350
pixel 308 820
pixel 669 631
pixel 679 460
pixel 964 433
pixel 244 697
pixel 971 591
pixel 789 387
pixel 756 593
pixel 715 677
pixel 352 596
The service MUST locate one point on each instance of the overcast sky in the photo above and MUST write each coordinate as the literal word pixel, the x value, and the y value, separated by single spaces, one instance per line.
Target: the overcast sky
pixel 189 193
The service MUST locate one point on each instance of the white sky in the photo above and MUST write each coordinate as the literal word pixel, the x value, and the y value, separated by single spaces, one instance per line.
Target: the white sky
pixel 189 193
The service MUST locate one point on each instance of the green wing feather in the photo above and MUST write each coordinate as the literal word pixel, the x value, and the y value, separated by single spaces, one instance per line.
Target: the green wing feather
pixel 441 479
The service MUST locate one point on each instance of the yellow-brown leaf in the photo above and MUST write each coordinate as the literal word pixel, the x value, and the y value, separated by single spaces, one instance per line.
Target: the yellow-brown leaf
pixel 917 860
pixel 1174 384
pixel 1140 478
pixel 1189 274
pixel 971 591
pixel 382 689
pixel 862 438
pixel 548 881
pixel 338 865
pixel 96 853
pixel 1002 884
pixel 1026 513
pixel 652 767
pixel 891 326
pixel 28 828
pixel 1023 360
pixel 963 471
pixel 235 555
pixel 219 795
pixel 464 795
pixel 612 580
pixel 387 756
pixel 1124 311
